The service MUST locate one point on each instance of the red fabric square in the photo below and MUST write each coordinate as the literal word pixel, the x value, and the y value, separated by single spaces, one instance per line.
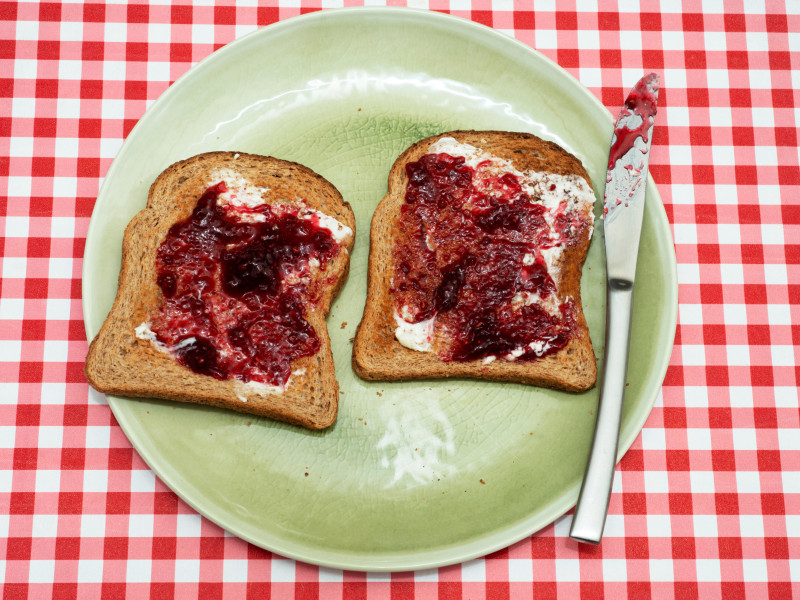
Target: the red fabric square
pixel 68 548
pixel 484 17
pixel 181 14
pixel 138 13
pixel 683 547
pixel 94 13
pixel 730 547
pixel 778 23
pixel 524 20
pixel 734 23
pixel 723 460
pixel 164 548
pixel 780 60
pixel 680 503
pixel 225 15
pixel 727 504
pixel 769 460
pixel 608 21
pixel 566 20
pixel 50 11
pixel 115 548
pixel 692 21
pixel 70 503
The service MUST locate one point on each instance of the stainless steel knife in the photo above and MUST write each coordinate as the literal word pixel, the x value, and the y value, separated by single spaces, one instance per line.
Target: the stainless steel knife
pixel 623 208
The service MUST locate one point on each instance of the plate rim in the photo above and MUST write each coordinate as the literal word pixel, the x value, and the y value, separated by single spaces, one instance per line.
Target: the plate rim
pixel 402 561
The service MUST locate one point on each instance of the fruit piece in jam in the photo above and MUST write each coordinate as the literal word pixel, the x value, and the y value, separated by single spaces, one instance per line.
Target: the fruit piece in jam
pixel 236 282
pixel 476 253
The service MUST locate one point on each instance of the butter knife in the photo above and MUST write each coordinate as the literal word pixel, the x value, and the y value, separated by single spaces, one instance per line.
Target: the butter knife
pixel 623 208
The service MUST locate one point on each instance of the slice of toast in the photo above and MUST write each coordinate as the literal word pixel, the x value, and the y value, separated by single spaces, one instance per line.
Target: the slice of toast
pixel 121 363
pixel 377 354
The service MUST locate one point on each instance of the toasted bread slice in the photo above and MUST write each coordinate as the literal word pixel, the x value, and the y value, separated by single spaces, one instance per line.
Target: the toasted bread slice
pixel 377 354
pixel 121 363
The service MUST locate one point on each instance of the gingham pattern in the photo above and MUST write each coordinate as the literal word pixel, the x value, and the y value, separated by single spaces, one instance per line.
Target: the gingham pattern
pixel 706 503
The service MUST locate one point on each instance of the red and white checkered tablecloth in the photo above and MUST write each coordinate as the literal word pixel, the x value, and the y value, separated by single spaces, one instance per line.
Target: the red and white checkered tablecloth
pixel 706 502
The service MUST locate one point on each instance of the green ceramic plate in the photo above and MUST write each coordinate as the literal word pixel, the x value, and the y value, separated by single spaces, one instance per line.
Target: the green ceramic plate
pixel 413 475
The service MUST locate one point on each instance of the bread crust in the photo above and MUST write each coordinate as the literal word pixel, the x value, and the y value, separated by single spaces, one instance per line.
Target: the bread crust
pixel 121 364
pixel 377 355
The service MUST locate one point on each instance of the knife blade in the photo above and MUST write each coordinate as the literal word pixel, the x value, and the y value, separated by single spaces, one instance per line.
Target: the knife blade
pixel 623 209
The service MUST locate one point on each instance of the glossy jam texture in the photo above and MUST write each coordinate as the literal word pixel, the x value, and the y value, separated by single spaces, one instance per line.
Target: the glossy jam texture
pixel 235 293
pixel 470 253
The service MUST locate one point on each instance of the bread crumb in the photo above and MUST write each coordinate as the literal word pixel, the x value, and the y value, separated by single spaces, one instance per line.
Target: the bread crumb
pixel 306 473
pixel 627 383
pixel 379 394
pixel 483 482
pixel 359 110
pixel 249 423
pixel 352 339
pixel 344 324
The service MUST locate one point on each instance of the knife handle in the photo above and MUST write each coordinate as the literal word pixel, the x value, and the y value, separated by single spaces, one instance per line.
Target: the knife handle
pixel 590 512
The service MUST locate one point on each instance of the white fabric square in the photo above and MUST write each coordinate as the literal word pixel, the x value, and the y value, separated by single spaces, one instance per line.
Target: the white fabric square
pixel 426 575
pixel 717 79
pixel 140 525
pixel 520 570
pixel 760 79
pixel 7 435
pixel 754 569
pixel 723 156
pixel 12 308
pixel 568 569
pixel 95 480
pixel 379 577
pixel 629 39
pixel 51 436
pixel 788 439
pixel 777 314
pixel 698 438
pixel 10 350
pixel 41 571
pixel 696 396
pixel 68 108
pixel 693 355
pixel 731 273
pixel 769 195
pixel 729 233
pixel 71 31
pixel 55 351
pixel 143 481
pixel 785 396
pixel 65 187
pixel 661 569
pixel 744 439
pixel 19 147
pixel 53 393
pixel 90 571
pixel 691 314
pixel 720 117
pixel 716 40
pixel 113 108
pixel 685 233
pixel 680 155
pixel 741 396
pixel 783 356
pixel 44 526
pixel 474 570
pixel 735 314
pixel 682 194
pixel 751 526
pixel 188 525
pixel 766 156
pixel 118 33
pixel 109 147
pixel 139 570
pixel 653 439
pixel 283 570
pixel 25 68
pixel 47 481
pixel 19 186
pixel 673 78
pixel 235 570
pixel 659 526
pixel 23 108
pixel 158 71
pixel 590 76
pixel 615 524
pixel 187 570
pixel 656 482
pixel 762 117
pixel 93 526
pixel 58 309
pixel 62 227
pixel 671 40
pixel 4 518
pixel 161 32
pixel 546 39
pixel 708 570
pixel 688 273
pixel 748 482
pixel 790 481
pixel 614 569
pixel 775 274
pixel 98 436
pixel 738 356
pixel 69 70
pixel 726 194
pixel 713 6
pixel 705 526
pixel 13 268
pixel 66 148
pixel 701 482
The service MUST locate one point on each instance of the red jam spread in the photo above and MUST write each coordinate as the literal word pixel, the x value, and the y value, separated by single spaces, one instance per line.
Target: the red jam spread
pixel 469 248
pixel 641 101
pixel 235 292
